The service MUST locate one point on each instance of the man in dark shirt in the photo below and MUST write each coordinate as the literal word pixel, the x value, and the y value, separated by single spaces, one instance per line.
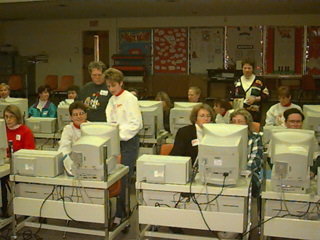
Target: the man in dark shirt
pixel 95 94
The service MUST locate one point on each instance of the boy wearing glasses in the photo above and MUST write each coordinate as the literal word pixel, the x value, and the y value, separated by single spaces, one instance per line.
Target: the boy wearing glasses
pixel 71 133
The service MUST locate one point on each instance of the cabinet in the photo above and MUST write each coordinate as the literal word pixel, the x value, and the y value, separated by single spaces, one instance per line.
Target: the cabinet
pixel 14 64
pixel 133 66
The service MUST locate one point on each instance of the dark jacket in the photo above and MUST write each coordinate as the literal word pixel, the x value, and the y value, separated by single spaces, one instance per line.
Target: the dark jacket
pixel 183 143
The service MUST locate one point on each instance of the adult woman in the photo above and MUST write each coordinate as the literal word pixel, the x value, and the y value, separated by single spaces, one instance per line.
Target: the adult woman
pixel 167 105
pixel 194 93
pixel 20 135
pixel 95 94
pixel 43 107
pixel 255 147
pixel 187 139
pixel 123 109
pixel 251 88
pixel 4 91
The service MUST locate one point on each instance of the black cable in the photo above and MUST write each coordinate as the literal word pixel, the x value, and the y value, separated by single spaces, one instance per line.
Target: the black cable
pixel 198 205
pixel 40 211
pixel 64 206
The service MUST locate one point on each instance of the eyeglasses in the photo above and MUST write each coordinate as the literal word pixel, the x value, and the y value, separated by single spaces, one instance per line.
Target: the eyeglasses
pixel 204 116
pixel 242 122
pixel 80 114
pixel 96 75
pixel 9 116
pixel 298 122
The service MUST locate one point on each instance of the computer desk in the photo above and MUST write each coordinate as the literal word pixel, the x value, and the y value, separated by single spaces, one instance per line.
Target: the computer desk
pixel 289 226
pixel 229 213
pixel 94 212
pixel 5 171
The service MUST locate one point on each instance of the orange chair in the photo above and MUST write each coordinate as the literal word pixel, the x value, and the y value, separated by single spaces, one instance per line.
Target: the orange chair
pixel 115 189
pixel 65 82
pixel 15 84
pixel 308 85
pixel 165 149
pixel 52 81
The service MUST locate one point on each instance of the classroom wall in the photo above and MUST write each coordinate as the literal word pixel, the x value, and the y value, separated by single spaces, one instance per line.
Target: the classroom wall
pixel 59 38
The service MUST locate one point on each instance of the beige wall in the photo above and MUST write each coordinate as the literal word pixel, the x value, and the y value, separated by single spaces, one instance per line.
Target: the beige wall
pixel 59 38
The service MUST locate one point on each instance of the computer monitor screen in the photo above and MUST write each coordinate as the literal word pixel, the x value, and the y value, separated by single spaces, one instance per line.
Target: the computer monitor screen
pixel 267 130
pixel 312 117
pixel 152 117
pixel 3 141
pixel 105 131
pixel 99 143
pixel 180 115
pixel 3 134
pixel 222 152
pixel 291 152
pixel 63 116
pixel 21 103
pixel 185 104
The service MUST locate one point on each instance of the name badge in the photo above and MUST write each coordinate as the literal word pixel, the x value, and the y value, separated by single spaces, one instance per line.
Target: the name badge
pixel 18 137
pixel 195 142
pixel 104 92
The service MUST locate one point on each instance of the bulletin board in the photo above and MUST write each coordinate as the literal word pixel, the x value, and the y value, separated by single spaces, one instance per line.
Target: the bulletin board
pixel 284 50
pixel 244 42
pixel 170 50
pixel 206 49
pixel 313 46
pixel 134 41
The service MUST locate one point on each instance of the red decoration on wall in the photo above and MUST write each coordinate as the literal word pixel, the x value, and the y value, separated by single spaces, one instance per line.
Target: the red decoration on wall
pixel 298 50
pixel 270 50
pixel 313 64
pixel 170 50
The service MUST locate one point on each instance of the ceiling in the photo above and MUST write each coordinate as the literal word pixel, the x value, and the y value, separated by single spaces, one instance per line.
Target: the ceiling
pixel 11 10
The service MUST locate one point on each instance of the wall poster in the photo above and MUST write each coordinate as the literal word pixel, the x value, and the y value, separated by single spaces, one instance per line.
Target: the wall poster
pixel 206 49
pixel 313 46
pixel 244 42
pixel 170 50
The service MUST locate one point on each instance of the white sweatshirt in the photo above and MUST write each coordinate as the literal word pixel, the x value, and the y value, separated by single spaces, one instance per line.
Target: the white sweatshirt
pixel 124 110
pixel 69 136
pixel 225 118
pixel 275 114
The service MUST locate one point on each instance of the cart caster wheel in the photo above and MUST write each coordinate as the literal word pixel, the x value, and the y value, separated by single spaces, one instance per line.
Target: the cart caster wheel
pixel 126 229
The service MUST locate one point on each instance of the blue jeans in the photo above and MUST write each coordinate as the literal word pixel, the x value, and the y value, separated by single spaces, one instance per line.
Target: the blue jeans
pixel 129 154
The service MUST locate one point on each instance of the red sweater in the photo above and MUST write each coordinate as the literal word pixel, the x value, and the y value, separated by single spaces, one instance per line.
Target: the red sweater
pixel 22 138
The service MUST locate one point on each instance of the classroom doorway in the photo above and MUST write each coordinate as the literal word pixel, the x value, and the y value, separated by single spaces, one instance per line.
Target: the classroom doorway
pixel 95 47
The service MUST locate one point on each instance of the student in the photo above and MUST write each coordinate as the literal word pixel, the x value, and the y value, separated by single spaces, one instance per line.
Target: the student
pixel 73 91
pixel 20 135
pixel 95 94
pixel 71 133
pixel 167 105
pixel 275 113
pixel 4 92
pixel 188 138
pixel 222 109
pixel 194 94
pixel 251 88
pixel 43 107
pixel 123 109
pixel 293 120
pixel 255 147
